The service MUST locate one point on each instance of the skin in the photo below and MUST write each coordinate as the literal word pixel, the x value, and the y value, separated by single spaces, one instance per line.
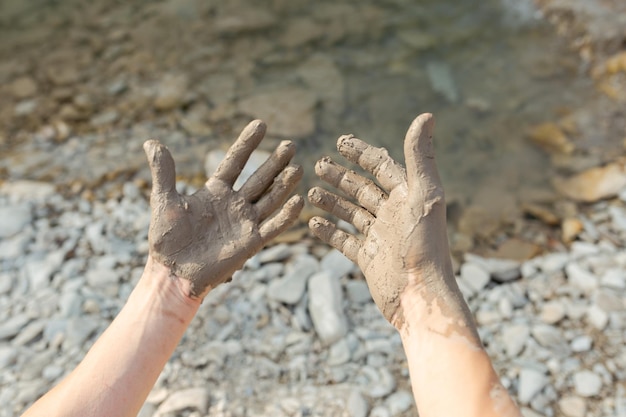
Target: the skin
pixel 196 243
pixel 403 252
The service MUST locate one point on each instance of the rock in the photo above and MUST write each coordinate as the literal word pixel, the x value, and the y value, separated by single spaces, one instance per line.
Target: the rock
pixel 192 398
pixel 13 218
pixel 597 317
pixel 587 383
pixel 581 278
pixel 288 111
pixel 356 404
pixel 501 270
pixel 28 333
pixel 551 138
pixel 555 262
pixel 551 338
pixel 323 77
pixel 614 278
pixel 572 406
pixel 256 159
pixel 23 87
pixel 541 212
pixel 475 276
pixel 380 411
pixel 517 250
pixel 244 19
pixel 581 344
pixel 78 330
pixel 531 382
pixel 171 92
pixel 26 107
pixel 593 184
pixel 325 307
pixel 290 288
pixel 570 229
pixel 339 353
pixel 382 384
pixel 442 81
pixel 514 339
pixel 102 277
pixel 105 118
pixel 301 31
pixel 8 354
pixel 13 325
pixel 336 264
pixel 399 402
pixel 552 312
pixel 357 291
pixel 26 189
pixel 618 218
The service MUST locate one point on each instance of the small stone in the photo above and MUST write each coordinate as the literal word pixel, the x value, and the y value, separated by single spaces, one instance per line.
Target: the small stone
pixel 572 406
pixel 442 81
pixel 383 385
pixel 25 107
pixel 78 330
pixel 105 118
pixel 399 402
pixel 290 288
pixel 14 218
pixel 475 276
pixel 581 344
pixel 554 262
pixel 13 325
pixel 336 264
pixel 581 278
pixel 514 338
pixel 551 338
pixel 102 277
pixel 587 383
pixel 593 184
pixel 339 353
pixel 191 398
pixel 570 229
pixel 356 404
pixel 380 411
pixel 614 278
pixel 358 292
pixel 325 307
pixel 8 354
pixel 170 92
pixel 552 312
pixel 531 382
pixel 551 138
pixel 597 317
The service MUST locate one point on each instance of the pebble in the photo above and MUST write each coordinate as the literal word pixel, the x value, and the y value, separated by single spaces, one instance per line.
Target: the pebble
pixel 14 218
pixel 581 278
pixel 587 383
pixel 514 338
pixel 552 312
pixel 290 288
pixel 531 382
pixel 399 402
pixel 325 307
pixel 572 406
pixel 597 317
pixel 357 405
pixel 475 276
pixel 336 264
pixel 581 344
pixel 13 325
pixel 192 398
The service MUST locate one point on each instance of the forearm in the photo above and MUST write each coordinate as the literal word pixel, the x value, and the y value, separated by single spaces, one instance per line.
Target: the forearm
pixel 120 369
pixel 451 374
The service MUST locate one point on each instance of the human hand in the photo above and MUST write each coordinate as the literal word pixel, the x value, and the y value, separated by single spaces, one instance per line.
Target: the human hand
pixel 402 220
pixel 205 237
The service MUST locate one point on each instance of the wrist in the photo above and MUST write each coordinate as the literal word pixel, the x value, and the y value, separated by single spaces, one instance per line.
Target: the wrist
pixel 172 293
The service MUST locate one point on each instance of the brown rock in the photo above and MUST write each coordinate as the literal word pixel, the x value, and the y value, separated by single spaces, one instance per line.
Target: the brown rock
pixel 570 229
pixel 288 111
pixel 170 92
pixel 542 213
pixel 63 75
pixel 24 87
pixel 593 184
pixel 516 249
pixel 551 138
pixel 476 221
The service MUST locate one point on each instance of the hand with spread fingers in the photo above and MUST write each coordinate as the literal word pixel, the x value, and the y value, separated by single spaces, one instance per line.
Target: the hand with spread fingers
pixel 207 236
pixel 402 219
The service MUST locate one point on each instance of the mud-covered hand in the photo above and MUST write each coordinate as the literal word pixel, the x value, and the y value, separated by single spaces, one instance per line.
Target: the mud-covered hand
pixel 402 219
pixel 207 236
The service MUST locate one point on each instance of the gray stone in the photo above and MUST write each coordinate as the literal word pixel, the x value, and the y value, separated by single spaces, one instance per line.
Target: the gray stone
pixel 171 92
pixel 441 80
pixel 8 354
pixel 380 411
pixel 531 382
pixel 475 276
pixel 553 262
pixel 28 333
pixel 13 325
pixel 356 404
pixel 339 353
pixel 13 218
pixel 514 339
pixel 551 338
pixel 614 278
pixel 325 307
pixel 552 312
pixel 597 317
pixel 78 330
pixel 500 270
pixel 6 281
pixel 587 383
pixel 40 271
pixel 26 189
pixel 101 277
pixel 581 344
pixel 399 402
pixel 15 246
pixel 191 398
pixel 618 217
pixel 336 264
pixel 358 292
pixel 290 288
pixel 581 278
pixel 382 385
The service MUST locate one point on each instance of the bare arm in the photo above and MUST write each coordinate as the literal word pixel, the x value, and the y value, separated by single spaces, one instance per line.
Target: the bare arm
pixel 404 255
pixel 196 243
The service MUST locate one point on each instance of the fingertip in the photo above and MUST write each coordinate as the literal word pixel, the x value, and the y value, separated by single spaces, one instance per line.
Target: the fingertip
pixel 343 140
pixel 257 126
pixel 295 203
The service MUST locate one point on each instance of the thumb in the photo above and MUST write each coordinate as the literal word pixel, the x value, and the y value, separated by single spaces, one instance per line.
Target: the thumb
pixel 419 154
pixel 162 167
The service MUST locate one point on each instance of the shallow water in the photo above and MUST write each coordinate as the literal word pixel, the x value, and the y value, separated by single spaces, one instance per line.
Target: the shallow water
pixel 487 69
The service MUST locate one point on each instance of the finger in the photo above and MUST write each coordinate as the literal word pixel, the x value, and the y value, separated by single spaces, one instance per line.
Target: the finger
pixel 279 222
pixel 238 154
pixel 162 167
pixel 342 208
pixel 338 239
pixel 283 185
pixel 363 190
pixel 265 174
pixel 377 161
pixel 420 153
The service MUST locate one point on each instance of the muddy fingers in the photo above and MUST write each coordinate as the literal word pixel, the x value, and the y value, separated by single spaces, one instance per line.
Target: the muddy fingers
pixel 338 239
pixel 262 179
pixel 342 208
